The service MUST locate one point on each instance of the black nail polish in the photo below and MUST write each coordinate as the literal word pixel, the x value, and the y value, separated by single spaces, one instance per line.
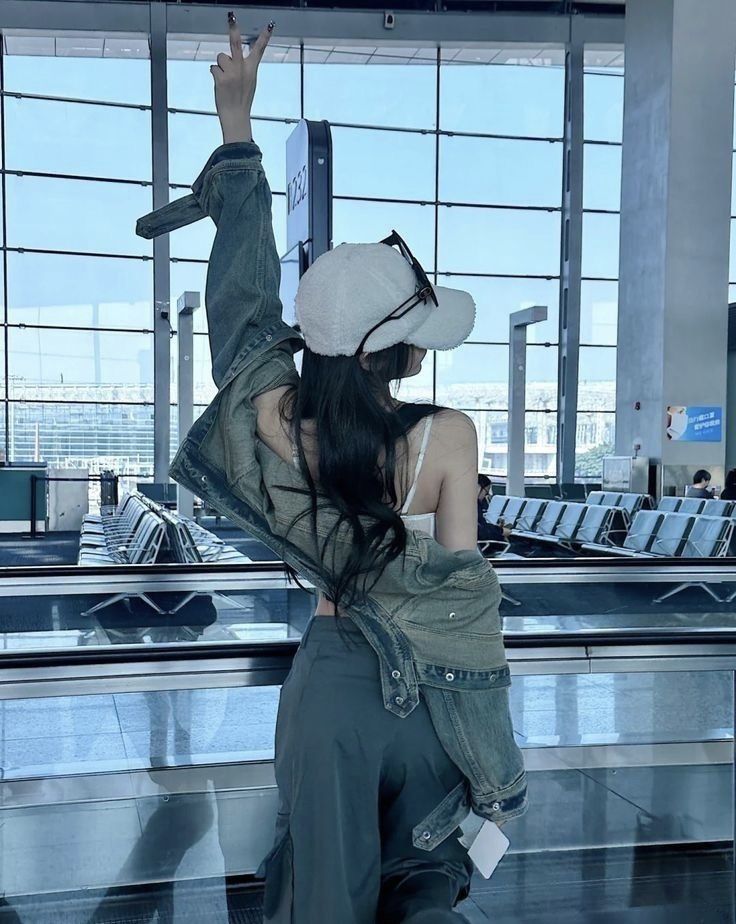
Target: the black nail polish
pixel 271 25
pixel 231 18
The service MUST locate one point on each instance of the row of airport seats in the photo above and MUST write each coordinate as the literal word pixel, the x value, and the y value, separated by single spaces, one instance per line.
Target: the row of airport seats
pixel 132 534
pixel 599 526
pixel 140 531
pixel 697 505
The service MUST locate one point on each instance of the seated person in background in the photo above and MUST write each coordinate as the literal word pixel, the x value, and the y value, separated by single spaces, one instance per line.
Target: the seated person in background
pixel 699 487
pixel 729 492
pixel 488 530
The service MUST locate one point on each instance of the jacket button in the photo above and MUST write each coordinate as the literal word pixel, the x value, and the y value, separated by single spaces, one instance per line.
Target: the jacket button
pixel 269 337
pixel 496 806
pixel 452 615
pixel 399 700
pixel 204 479
pixel 491 676
pixel 426 835
pixel 396 674
pixel 449 676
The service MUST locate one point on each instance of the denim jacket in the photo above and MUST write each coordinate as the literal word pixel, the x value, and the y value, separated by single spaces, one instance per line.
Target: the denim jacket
pixel 432 618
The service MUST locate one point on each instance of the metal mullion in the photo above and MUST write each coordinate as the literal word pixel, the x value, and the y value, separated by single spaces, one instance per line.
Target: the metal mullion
pixel 283 120
pixel 84 178
pixel 449 204
pixel 570 255
pixel 161 246
pixel 475 275
pixel 77 253
pixel 603 144
pixel 76 401
pixel 597 411
pixel 81 327
pixel 15 94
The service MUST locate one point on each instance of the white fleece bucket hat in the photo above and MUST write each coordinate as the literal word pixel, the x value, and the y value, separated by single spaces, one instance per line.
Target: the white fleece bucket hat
pixel 349 290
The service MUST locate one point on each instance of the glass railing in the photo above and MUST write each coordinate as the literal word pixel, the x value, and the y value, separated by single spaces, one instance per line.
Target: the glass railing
pixel 136 746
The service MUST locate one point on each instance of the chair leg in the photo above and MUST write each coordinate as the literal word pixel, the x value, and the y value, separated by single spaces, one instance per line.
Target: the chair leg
pixel 108 601
pixel 703 586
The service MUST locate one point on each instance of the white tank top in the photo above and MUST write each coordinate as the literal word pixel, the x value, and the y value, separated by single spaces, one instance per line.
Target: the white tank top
pixel 421 522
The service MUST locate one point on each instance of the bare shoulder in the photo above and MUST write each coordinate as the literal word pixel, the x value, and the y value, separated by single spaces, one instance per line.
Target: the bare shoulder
pixel 453 444
pixel 455 427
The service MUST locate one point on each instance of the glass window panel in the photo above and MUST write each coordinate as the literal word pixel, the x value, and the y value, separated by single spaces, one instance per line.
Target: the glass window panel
pixel 482 240
pixel 372 221
pixel 79 291
pixel 602 177
pixel 79 364
pixel 204 387
pixel 541 378
pixel 595 437
pixel 76 215
pixel 112 80
pixel 603 107
pixel 540 444
pixel 192 138
pixel 500 172
pixel 732 257
pixel 496 299
pixel 77 139
pixel 390 93
pixel 278 96
pixel 597 379
pixel 188 277
pixel 473 376
pixel 598 312
pixel 493 441
pixel 194 242
pixel 505 99
pixel 100 436
pixel 388 165
pixel 600 245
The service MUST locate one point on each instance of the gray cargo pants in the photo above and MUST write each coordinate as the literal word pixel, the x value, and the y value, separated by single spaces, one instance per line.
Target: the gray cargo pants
pixel 353 780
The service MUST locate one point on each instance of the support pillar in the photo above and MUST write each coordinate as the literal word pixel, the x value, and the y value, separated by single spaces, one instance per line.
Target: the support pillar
pixel 187 304
pixel 675 211
pixel 518 323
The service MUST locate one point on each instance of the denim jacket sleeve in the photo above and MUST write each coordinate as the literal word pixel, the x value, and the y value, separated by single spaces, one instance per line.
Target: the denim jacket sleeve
pixel 242 291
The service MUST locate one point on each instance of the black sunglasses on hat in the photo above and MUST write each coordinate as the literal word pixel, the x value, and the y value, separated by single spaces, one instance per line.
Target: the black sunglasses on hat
pixel 424 293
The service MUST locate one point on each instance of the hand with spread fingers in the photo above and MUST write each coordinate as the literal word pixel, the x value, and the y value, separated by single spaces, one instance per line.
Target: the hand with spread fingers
pixel 235 82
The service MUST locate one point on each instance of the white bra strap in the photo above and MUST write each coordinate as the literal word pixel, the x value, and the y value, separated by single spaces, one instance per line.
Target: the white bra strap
pixel 420 459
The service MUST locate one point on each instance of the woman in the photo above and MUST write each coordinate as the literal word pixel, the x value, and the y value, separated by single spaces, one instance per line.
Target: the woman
pixel 393 722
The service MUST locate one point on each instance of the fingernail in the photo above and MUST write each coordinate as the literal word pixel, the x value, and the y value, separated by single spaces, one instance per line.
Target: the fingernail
pixel 231 17
pixel 271 25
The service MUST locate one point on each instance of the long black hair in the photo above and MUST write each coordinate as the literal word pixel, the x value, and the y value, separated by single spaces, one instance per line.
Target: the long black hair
pixel 359 425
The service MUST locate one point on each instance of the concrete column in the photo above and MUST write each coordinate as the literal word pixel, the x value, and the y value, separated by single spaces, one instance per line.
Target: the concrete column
pixel 186 305
pixel 518 323
pixel 675 207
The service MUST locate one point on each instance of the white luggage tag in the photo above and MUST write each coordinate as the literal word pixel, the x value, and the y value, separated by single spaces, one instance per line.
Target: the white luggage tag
pixel 488 847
